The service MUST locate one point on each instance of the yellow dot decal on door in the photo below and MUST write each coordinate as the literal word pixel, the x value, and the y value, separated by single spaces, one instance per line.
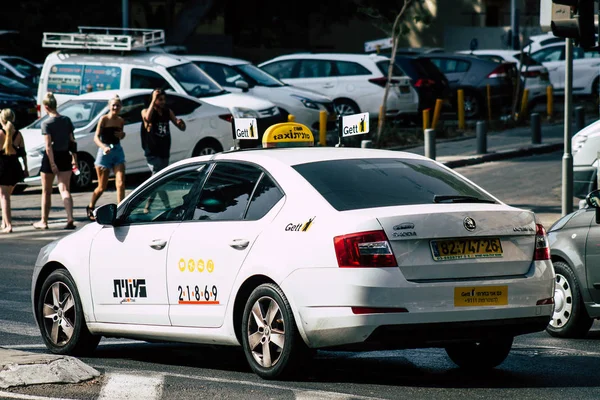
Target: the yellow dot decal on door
pixel 182 265
pixel 191 265
pixel 210 267
pixel 201 265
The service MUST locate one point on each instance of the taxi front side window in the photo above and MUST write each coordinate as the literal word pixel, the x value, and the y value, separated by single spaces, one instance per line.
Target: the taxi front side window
pixel 226 193
pixel 167 201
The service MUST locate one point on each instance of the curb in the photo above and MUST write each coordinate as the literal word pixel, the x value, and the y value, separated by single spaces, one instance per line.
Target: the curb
pixel 20 368
pixel 503 155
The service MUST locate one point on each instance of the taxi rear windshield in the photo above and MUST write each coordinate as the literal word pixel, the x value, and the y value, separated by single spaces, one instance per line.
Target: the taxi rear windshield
pixel 354 184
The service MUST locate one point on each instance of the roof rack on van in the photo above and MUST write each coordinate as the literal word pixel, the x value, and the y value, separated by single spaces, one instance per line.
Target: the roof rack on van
pixel 102 38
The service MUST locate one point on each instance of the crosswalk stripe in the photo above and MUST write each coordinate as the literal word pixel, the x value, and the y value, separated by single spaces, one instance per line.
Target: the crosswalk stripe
pixel 128 386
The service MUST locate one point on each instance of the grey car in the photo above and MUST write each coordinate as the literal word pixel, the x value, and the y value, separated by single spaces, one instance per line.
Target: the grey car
pixel 575 249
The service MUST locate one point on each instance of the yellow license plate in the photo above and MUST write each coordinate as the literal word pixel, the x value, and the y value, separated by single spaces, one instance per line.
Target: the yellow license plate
pixel 478 296
pixel 458 249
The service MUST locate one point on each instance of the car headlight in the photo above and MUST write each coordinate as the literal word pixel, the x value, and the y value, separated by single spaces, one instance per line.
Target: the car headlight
pixel 307 102
pixel 241 112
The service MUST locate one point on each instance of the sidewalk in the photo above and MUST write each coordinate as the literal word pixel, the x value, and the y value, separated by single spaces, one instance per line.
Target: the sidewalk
pixel 500 146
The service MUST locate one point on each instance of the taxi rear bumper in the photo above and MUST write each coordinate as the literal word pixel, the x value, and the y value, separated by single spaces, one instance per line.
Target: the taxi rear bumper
pixel 345 306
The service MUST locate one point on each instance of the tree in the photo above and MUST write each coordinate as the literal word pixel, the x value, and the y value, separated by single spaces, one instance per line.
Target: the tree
pixel 381 14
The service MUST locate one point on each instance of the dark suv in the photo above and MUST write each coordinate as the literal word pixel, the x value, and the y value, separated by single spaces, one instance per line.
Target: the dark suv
pixel 427 79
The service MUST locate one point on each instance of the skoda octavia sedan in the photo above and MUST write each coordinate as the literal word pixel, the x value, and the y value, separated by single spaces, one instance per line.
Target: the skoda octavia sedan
pixel 286 250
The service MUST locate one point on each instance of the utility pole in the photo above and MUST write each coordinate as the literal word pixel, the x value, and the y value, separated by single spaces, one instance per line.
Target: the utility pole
pixel 567 161
pixel 125 13
pixel 514 25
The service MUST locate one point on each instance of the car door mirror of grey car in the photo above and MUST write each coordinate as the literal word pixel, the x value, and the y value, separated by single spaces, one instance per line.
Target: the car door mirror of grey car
pixel 593 200
pixel 106 214
pixel 242 84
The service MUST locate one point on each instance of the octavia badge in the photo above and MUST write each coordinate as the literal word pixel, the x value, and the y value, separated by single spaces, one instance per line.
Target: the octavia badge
pixel 469 224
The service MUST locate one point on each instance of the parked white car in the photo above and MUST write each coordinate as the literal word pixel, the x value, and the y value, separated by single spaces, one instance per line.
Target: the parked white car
pixel 586 145
pixel 536 73
pixel 208 131
pixel 242 76
pixel 355 82
pixel 586 68
pixel 537 42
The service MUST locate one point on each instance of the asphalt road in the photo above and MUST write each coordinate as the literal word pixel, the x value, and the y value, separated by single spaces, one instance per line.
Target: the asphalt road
pixel 538 367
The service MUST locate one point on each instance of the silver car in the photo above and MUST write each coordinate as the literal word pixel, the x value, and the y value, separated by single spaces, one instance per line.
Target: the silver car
pixel 575 250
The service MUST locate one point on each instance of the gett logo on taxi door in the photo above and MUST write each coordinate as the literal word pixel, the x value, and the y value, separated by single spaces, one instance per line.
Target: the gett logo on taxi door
pixel 245 128
pixel 357 124
pixel 301 227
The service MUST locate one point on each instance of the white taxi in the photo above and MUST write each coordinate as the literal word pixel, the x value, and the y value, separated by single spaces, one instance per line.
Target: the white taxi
pixel 287 250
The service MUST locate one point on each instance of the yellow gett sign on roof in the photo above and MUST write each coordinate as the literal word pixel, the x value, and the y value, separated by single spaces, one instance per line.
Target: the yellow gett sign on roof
pixel 288 134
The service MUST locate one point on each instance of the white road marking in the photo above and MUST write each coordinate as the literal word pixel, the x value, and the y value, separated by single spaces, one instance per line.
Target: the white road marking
pixel 10 395
pixel 104 342
pixel 129 386
pixel 19 328
pixel 319 394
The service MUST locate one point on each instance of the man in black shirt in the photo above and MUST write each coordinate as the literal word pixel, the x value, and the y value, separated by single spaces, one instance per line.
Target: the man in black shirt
pixel 155 131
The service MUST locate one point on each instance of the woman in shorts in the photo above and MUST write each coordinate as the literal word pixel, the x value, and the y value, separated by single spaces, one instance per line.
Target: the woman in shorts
pixel 11 173
pixel 110 156
pixel 58 160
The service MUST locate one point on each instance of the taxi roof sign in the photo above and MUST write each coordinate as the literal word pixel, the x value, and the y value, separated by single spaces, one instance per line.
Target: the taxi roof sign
pixel 356 124
pixel 245 129
pixel 288 134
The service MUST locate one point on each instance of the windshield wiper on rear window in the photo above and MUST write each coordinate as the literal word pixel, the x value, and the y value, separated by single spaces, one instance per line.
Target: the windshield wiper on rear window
pixel 460 199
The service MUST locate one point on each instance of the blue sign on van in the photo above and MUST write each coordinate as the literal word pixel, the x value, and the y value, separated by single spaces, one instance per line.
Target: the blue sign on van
pixel 78 79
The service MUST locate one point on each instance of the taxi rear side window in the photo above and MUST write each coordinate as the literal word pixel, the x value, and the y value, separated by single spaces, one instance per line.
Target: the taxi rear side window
pixel 367 183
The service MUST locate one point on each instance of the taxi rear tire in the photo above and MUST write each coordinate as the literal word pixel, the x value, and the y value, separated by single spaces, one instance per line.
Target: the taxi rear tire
pixel 60 316
pixel 480 355
pixel 270 338
pixel 570 318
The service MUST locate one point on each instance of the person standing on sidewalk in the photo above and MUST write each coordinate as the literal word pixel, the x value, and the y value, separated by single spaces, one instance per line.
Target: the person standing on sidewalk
pixel 109 134
pixel 156 133
pixel 11 172
pixel 58 160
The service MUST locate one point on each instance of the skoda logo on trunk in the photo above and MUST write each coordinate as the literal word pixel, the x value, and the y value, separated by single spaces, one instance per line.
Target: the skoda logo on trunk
pixel 469 224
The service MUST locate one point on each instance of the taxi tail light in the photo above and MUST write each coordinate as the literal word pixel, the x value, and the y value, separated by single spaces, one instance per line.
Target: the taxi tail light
pixel 382 81
pixel 226 117
pixel 39 110
pixel 532 74
pixel 542 247
pixel 364 250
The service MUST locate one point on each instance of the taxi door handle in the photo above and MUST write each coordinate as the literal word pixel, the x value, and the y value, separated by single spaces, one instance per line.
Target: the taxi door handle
pixel 158 244
pixel 327 85
pixel 239 244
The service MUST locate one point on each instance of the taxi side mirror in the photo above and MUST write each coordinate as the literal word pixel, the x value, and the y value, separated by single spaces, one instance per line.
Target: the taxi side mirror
pixel 242 84
pixel 106 214
pixel 593 200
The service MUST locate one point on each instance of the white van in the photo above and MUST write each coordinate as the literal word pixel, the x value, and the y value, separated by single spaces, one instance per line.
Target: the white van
pixel 96 59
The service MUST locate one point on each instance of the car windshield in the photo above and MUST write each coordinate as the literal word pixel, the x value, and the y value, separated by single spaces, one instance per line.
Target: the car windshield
pixel 383 182
pixel 259 76
pixel 25 67
pixel 81 112
pixel 195 81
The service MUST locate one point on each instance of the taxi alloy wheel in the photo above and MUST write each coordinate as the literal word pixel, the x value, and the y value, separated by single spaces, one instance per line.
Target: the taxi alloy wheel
pixel 570 318
pixel 480 355
pixel 272 344
pixel 60 316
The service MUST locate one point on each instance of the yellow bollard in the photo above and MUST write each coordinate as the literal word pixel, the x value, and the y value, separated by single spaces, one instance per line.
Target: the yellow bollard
pixel 461 108
pixel 489 102
pixel 323 128
pixel 549 101
pixel 291 118
pixel 524 101
pixel 436 113
pixel 426 118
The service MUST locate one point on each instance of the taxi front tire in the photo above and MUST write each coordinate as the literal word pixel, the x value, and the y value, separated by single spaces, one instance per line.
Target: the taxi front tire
pixel 60 317
pixel 270 338
pixel 481 355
